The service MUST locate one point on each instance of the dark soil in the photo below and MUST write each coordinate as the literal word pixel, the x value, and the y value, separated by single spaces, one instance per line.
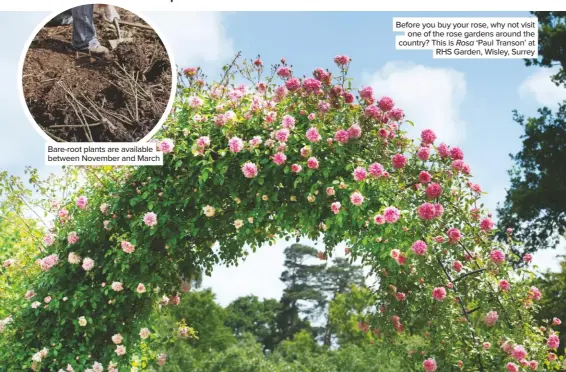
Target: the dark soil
pixel 77 98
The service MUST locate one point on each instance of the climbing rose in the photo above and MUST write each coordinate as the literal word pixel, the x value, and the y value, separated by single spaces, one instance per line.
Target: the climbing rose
pixel 399 161
pixel 293 84
pixel 512 367
pixel 150 219
pixel 556 321
pixel 456 153
pixel 533 365
pixel 457 266
pixel 454 235
pixel 335 207
pixel 311 85
pixel 534 294
pixel 497 256
pixel 88 264
pixel 401 296
pixel 49 239
pixel 433 190
pixel 553 341
pixel 330 191
pixel 209 211
pixel 442 150
pixel 519 352
pixel 342 136
pixel 195 102
pixel 296 168
pixel 395 253
pixel 249 170
pixel 82 202
pixel 284 72
pixel 166 145
pixel 391 214
pixel 288 122
pixel 313 135
pixel 117 286
pixel 379 219
pixel 279 158
pixel 439 293
pixel 491 318
pixel 312 163
pixel 419 247
pixel 141 288
pixel 360 174
pixel 144 333
pixel 425 177
pixel 486 224
pixel 128 247
pixel 504 285
pixel 426 211
pixel 428 136
pixel 356 198
pixel 82 321
pixel 29 295
pixel 423 153
pixel 35 304
pixel 120 350
pixel 527 257
pixel 342 60
pixel 48 262
pixel 238 224
pixel 117 339
pixel 386 103
pixel 236 144
pixel 355 131
pixel 203 142
pixel 74 259
pixel 429 365
pixel 72 238
pixel 376 170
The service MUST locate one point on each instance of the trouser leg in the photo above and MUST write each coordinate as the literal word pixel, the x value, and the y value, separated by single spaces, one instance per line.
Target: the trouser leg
pixel 83 26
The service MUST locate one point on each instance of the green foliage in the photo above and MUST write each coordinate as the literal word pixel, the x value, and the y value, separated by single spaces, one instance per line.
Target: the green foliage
pixel 535 204
pixel 250 315
pixel 552 43
pixel 207 211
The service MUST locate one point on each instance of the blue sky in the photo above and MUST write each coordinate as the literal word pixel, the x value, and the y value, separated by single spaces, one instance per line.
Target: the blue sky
pixel 468 102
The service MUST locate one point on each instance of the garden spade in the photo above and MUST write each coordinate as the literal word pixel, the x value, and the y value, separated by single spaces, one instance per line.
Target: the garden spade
pixel 122 37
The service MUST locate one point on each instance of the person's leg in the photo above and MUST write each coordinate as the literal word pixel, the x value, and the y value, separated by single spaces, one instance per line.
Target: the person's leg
pixel 83 26
pixel 84 33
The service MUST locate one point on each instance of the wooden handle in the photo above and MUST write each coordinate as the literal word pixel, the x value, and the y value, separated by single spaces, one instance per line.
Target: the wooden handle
pixel 136 25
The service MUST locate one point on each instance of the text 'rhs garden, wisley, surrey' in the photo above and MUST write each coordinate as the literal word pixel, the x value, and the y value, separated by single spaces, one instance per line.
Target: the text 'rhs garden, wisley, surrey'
pixel 246 164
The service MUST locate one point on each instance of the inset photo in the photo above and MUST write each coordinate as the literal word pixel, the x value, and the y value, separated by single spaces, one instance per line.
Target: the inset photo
pixel 97 73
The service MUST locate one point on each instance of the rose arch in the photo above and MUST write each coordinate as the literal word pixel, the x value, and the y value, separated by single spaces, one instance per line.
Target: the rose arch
pixel 280 156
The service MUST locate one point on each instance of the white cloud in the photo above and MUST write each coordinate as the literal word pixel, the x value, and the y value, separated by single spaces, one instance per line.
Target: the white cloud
pixel 539 87
pixel 431 97
pixel 194 37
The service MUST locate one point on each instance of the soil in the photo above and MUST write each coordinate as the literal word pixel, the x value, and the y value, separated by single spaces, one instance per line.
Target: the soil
pixel 74 97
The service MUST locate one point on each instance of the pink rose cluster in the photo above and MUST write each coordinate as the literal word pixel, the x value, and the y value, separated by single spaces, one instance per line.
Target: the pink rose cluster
pixel 48 262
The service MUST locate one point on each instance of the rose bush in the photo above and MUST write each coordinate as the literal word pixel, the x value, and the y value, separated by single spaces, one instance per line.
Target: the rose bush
pixel 287 157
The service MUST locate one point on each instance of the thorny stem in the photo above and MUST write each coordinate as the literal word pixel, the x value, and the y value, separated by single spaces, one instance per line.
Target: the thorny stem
pixel 463 307
pixel 227 72
pixel 493 295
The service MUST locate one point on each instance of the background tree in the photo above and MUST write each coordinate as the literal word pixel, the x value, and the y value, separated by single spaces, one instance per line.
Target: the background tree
pixel 250 315
pixel 535 204
pixel 302 298
pixel 336 280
